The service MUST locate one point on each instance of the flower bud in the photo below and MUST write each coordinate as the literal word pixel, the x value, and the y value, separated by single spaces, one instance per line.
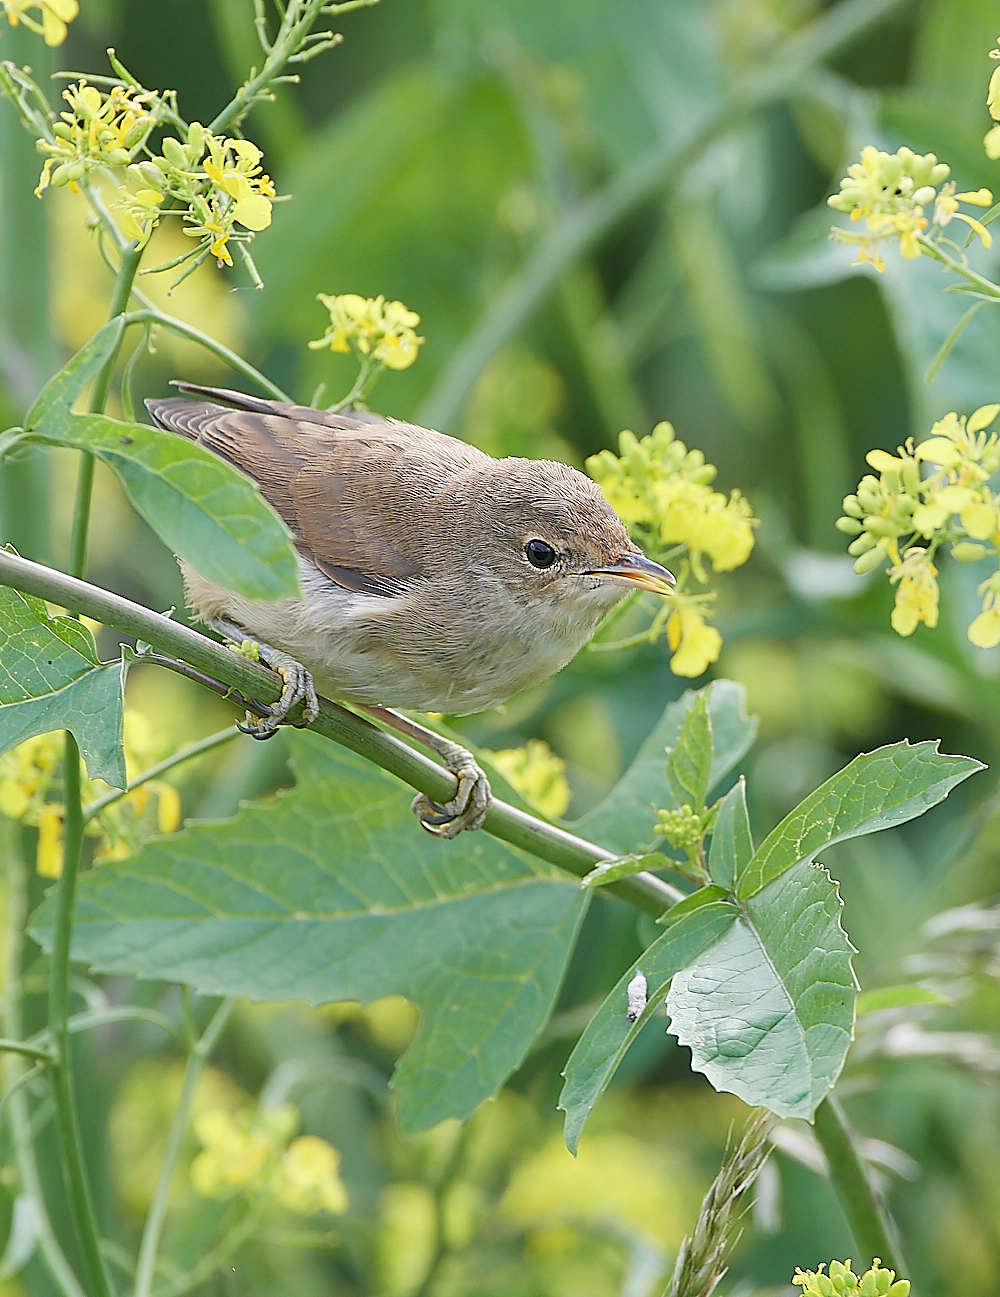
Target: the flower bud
pixel 62 131
pixel 966 551
pixel 849 526
pixel 939 173
pixel 66 172
pixel 882 527
pixel 175 153
pixel 117 157
pixel 196 143
pixel 852 507
pixel 924 195
pixel 870 561
pixel 148 173
pixel 862 545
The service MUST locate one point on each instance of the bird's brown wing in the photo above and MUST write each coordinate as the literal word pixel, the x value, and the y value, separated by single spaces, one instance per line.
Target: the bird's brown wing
pixel 342 483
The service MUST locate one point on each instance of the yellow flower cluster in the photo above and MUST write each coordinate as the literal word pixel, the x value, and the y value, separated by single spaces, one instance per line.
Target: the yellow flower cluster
pixel 662 492
pixel 30 784
pixel 254 1152
pixel 538 773
pixel 100 130
pixel 891 192
pixel 952 504
pixel 374 328
pixel 52 19
pixel 841 1281
pixel 215 184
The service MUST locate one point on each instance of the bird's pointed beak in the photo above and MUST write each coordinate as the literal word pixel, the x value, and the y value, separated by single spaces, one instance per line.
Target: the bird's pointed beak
pixel 638 570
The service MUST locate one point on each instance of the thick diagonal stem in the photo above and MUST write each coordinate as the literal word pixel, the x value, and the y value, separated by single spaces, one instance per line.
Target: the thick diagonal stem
pixel 865 1212
pixel 546 841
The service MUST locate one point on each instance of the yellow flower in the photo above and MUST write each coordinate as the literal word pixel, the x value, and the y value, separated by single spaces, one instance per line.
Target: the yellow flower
pixel 234 1155
pixel 49 856
pixel 168 807
pixel 538 773
pixel 694 644
pixel 55 14
pixel 374 327
pixel 984 630
pixel 308 1178
pixel 917 592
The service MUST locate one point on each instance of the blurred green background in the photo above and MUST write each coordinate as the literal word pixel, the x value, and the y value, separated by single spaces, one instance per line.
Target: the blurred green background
pixel 599 229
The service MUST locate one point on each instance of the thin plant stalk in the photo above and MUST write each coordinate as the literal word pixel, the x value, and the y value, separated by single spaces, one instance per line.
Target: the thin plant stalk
pixel 153 1230
pixel 869 1223
pixel 67 1119
pixel 17 1101
pixel 186 754
pixel 85 482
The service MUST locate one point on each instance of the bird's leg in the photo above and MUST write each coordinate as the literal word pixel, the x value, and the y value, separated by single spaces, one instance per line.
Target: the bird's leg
pixel 297 684
pixel 473 798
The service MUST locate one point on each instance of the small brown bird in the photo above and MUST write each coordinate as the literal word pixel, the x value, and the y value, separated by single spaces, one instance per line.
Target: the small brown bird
pixel 434 577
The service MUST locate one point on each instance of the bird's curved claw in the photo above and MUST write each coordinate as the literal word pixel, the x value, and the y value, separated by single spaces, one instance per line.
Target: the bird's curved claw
pixel 472 800
pixel 297 687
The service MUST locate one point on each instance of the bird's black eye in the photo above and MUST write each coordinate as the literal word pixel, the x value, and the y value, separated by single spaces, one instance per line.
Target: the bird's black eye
pixel 539 553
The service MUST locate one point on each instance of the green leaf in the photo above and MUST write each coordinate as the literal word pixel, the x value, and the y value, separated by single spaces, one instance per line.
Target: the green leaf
pixel 202 508
pixel 896 997
pixel 626 815
pixel 731 847
pixel 609 1034
pixel 332 892
pixel 768 1010
pixel 689 762
pixel 47 683
pixel 609 871
pixel 877 790
pixel 703 896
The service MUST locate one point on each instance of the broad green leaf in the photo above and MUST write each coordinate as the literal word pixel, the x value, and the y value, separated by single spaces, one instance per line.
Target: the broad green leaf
pixel 605 1042
pixel 202 508
pixel 689 762
pixel 768 1010
pixel 609 871
pixel 731 847
pixel 47 683
pixel 626 817
pixel 877 790
pixel 332 892
pixel 703 896
pixel 896 997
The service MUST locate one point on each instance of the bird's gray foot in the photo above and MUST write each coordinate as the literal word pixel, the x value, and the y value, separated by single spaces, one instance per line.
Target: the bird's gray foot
pixel 473 798
pixel 297 682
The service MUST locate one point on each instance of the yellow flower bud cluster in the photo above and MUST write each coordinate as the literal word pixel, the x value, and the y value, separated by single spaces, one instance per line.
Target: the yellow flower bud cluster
pixel 213 184
pixel 905 517
pixel 100 130
pixel 374 328
pixel 538 773
pixel 662 492
pixel 31 784
pixel 255 1153
pixel 891 193
pixel 51 21
pixel 684 828
pixel 841 1281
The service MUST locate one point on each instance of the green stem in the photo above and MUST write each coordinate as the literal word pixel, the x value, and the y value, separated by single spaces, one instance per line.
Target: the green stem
pixel 67 1120
pixel 546 841
pixel 29 1051
pixel 213 1261
pixel 234 361
pixel 20 1117
pixel 369 372
pixel 131 257
pixel 581 227
pixel 27 353
pixel 154 772
pixel 151 1234
pixel 861 1204
pixel 936 253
